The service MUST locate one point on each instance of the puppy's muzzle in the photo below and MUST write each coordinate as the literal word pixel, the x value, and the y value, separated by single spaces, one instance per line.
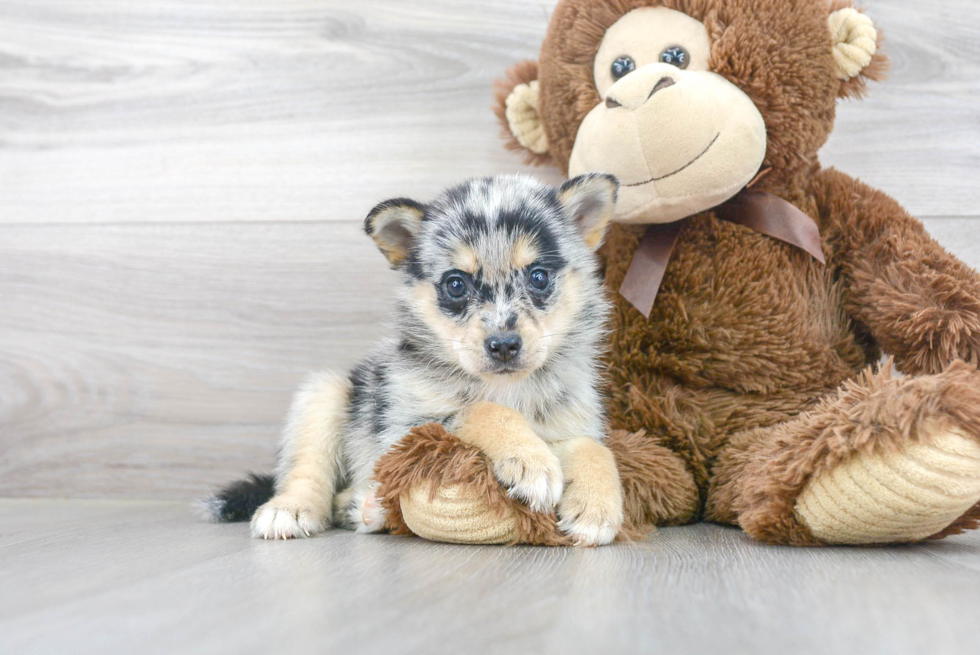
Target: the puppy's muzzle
pixel 503 347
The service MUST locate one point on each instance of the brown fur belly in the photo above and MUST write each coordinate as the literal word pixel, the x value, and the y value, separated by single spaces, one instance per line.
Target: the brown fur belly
pixel 746 331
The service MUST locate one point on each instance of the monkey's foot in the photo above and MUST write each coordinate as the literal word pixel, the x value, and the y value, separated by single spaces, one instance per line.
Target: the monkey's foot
pixel 457 516
pixel 903 495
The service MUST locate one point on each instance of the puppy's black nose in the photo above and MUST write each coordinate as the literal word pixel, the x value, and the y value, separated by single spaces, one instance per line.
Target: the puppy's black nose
pixel 503 347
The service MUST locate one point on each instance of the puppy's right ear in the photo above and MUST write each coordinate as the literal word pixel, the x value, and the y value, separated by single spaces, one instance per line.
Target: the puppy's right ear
pixel 517 106
pixel 393 225
pixel 590 200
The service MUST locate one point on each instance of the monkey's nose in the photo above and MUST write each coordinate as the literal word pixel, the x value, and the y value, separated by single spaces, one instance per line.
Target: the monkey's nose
pixel 503 347
pixel 661 84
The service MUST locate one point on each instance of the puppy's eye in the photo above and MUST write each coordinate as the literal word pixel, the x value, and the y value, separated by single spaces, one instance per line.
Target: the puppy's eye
pixel 539 279
pixel 675 56
pixel 623 66
pixel 455 287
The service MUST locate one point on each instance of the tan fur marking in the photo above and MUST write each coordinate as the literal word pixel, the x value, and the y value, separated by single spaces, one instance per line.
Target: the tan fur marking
pixel 591 509
pixel 593 236
pixel 539 336
pixel 465 342
pixel 466 259
pixel 341 503
pixel 382 229
pixel 496 430
pixel 556 323
pixel 394 254
pixel 591 227
pixel 521 460
pixel 317 440
pixel 304 500
pixel 524 252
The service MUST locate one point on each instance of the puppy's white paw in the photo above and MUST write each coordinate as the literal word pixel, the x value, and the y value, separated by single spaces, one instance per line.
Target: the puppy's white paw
pixel 366 513
pixel 591 515
pixel 532 475
pixel 287 518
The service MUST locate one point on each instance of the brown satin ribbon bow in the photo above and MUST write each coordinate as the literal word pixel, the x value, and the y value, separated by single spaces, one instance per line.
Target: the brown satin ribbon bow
pixel 756 210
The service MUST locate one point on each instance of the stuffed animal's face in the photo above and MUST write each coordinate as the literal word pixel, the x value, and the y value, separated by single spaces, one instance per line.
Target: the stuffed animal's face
pixel 686 100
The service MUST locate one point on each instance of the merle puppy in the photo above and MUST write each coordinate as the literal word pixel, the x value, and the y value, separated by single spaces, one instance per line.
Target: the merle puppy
pixel 498 329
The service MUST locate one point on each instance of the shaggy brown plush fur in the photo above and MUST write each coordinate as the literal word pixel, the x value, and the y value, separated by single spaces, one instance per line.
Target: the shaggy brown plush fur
pixel 522 73
pixel 761 472
pixel 671 499
pixel 779 75
pixel 430 455
pixel 752 372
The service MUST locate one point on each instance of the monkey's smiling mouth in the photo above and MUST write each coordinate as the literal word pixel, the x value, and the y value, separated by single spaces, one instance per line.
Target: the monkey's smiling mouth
pixel 685 166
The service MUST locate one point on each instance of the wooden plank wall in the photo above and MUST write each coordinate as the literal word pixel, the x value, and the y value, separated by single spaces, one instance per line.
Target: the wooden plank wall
pixel 182 183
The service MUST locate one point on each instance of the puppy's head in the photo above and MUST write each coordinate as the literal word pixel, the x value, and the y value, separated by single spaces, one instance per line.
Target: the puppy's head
pixel 498 271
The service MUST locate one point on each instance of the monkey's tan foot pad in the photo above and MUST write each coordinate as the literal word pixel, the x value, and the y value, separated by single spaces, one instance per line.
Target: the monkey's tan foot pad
pixel 469 505
pixel 456 517
pixel 893 497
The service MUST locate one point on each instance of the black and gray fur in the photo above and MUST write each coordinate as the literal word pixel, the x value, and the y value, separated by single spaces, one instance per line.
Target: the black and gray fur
pixel 439 359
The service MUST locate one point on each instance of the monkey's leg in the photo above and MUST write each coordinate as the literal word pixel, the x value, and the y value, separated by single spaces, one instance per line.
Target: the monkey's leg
pixel 657 489
pixel 309 462
pixel 884 460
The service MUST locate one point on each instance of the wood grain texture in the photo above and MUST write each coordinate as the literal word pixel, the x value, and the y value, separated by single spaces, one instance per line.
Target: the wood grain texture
pixel 181 184
pixel 122 577
pixel 152 360
pixel 917 134
pixel 202 111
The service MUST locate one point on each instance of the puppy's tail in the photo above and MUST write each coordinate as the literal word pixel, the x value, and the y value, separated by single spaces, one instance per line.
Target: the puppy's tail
pixel 239 500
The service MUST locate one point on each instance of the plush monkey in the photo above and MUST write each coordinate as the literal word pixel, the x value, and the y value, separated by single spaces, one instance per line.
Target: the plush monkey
pixel 751 392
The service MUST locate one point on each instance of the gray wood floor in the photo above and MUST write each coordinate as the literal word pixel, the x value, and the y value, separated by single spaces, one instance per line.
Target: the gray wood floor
pixel 136 576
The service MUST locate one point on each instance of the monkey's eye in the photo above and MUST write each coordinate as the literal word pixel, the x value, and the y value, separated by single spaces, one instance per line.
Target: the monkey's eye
pixel 539 279
pixel 675 56
pixel 455 286
pixel 623 66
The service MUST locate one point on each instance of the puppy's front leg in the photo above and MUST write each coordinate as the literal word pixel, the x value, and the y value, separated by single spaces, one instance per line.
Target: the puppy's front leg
pixel 591 509
pixel 522 461
pixel 309 462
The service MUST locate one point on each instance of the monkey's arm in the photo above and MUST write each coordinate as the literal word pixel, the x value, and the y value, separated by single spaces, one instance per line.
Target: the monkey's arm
pixel 919 303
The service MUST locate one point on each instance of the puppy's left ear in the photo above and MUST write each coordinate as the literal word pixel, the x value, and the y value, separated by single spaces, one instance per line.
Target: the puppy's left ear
pixel 590 200
pixel 393 225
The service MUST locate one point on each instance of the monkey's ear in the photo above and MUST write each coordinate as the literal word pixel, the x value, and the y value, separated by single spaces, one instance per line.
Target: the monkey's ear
pixel 590 200
pixel 516 104
pixel 857 51
pixel 394 224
